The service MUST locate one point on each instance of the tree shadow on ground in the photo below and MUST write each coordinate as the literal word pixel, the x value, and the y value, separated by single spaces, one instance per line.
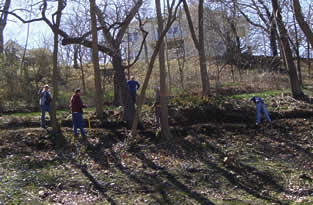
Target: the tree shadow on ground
pixel 147 182
pixel 247 178
pixel 157 181
pixel 65 154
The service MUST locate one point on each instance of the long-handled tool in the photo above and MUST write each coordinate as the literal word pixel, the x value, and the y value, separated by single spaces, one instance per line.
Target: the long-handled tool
pixel 89 125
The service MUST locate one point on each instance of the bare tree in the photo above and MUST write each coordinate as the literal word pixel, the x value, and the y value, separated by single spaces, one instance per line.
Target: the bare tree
pixel 113 33
pixel 95 60
pixel 181 54
pixel 163 86
pixel 262 9
pixel 113 40
pixel 172 11
pixel 285 46
pixel 199 43
pixel 302 23
pixel 296 47
pixel 55 75
pixel 3 22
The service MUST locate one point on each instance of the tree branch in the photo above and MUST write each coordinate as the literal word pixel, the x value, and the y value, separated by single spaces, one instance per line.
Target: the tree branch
pixel 141 46
pixel 190 24
pixel 127 21
pixel 20 18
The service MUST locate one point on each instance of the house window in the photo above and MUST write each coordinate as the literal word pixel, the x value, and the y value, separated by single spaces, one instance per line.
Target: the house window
pixel 133 37
pixel 130 56
pixel 130 37
pixel 173 32
pixel 156 33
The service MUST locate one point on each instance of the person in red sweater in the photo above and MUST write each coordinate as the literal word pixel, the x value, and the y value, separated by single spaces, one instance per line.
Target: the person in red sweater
pixel 77 113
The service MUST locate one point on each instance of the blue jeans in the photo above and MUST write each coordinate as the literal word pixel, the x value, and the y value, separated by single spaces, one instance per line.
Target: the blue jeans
pixel 261 107
pixel 44 109
pixel 158 115
pixel 77 119
pixel 133 96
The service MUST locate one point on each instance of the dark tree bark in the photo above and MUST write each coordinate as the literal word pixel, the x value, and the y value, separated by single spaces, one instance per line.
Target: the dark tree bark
pixel 283 37
pixel 56 73
pixel 3 22
pixel 302 23
pixel 273 38
pixel 297 50
pixel 122 90
pixel 95 60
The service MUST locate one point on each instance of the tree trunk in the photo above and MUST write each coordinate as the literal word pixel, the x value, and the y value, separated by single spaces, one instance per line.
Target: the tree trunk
pixel 181 57
pixel 95 60
pixel 309 60
pixel 303 25
pixel 114 44
pixel 82 72
pixel 273 39
pixel 121 95
pixel 3 23
pixel 157 47
pixel 146 52
pixel 203 66
pixel 104 80
pixel 297 49
pixel 55 76
pixel 199 44
pixel 121 91
pixel 120 85
pixel 75 55
pixel 168 62
pixel 117 98
pixel 163 88
pixel 181 67
pixel 283 36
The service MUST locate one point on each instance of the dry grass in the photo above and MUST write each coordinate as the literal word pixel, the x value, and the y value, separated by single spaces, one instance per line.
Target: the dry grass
pixel 240 80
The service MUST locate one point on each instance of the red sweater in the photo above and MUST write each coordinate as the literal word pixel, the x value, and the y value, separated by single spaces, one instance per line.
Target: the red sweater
pixel 76 104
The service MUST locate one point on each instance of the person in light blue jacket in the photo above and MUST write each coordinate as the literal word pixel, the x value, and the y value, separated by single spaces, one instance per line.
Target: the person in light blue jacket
pixel 44 101
pixel 260 107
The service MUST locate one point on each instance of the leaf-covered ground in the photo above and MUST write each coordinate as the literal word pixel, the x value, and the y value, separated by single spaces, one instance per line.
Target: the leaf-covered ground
pixel 215 156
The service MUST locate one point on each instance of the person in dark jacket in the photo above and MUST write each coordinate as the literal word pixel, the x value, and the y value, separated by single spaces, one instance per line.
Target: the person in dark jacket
pixel 77 113
pixel 157 106
pixel 133 86
pixel 260 107
pixel 44 101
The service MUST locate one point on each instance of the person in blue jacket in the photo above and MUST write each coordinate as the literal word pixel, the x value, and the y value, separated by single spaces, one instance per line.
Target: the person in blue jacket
pixel 44 101
pixel 260 107
pixel 133 86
